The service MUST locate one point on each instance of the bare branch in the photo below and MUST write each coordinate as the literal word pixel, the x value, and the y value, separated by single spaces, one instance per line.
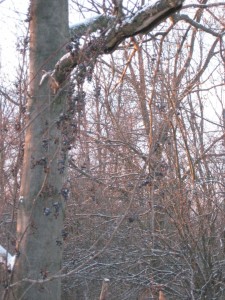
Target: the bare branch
pixel 113 32
pixel 203 5
pixel 196 24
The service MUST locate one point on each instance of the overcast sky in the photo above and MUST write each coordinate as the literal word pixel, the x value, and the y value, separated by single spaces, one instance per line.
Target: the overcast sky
pixel 12 27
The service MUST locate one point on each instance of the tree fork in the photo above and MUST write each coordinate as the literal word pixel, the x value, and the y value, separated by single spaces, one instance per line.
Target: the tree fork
pixel 41 204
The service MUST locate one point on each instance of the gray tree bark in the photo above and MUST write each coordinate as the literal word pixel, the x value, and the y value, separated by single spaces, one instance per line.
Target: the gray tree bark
pixel 42 196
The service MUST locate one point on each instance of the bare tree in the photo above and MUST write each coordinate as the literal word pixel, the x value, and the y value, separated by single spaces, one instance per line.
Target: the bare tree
pixel 139 163
pixel 171 231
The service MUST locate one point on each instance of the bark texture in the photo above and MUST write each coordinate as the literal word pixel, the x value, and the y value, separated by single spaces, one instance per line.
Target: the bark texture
pixel 41 203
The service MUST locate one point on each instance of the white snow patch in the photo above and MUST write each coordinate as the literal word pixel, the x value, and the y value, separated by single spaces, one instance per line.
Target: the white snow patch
pixel 6 258
pixel 85 22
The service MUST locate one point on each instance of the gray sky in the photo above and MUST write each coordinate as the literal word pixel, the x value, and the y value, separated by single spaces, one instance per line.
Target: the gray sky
pixel 12 26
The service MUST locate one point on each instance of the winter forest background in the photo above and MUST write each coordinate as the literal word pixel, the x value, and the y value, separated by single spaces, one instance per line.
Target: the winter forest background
pixel 144 163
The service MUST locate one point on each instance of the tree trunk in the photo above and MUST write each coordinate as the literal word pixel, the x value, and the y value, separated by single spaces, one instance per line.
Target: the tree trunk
pixel 105 289
pixel 43 194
